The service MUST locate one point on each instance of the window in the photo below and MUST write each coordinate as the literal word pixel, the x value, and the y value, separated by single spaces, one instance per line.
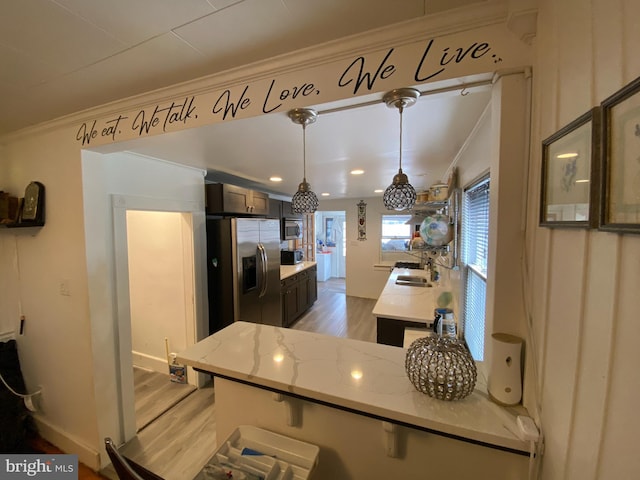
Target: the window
pixel 475 246
pixel 396 233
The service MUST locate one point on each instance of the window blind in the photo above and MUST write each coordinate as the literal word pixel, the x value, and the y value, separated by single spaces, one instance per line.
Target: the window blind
pixel 475 248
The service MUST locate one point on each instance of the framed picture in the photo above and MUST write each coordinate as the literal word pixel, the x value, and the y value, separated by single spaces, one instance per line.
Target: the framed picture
pixel 620 179
pixel 328 232
pixel 570 172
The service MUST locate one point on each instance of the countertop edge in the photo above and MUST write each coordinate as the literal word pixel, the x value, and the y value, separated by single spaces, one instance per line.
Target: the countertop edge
pixel 287 271
pixel 204 356
pixel 490 441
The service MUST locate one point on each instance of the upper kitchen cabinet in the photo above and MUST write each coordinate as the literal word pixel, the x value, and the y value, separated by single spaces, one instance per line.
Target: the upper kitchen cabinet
pixel 222 199
pixel 275 207
pixel 287 211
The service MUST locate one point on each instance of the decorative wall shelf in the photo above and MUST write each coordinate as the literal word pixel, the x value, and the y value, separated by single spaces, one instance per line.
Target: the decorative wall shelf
pixel 450 207
pixel 30 209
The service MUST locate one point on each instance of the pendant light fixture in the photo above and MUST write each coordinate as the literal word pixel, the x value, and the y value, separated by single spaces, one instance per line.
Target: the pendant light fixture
pixel 304 200
pixel 400 195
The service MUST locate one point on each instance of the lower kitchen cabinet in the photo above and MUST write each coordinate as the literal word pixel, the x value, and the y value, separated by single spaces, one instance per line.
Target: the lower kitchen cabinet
pixel 299 292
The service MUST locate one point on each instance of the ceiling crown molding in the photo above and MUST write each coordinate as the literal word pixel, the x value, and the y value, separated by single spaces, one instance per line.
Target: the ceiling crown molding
pixel 444 23
pixel 524 24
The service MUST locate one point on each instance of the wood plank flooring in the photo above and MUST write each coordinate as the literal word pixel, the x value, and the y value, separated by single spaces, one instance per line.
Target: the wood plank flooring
pixel 154 394
pixel 338 315
pixel 178 443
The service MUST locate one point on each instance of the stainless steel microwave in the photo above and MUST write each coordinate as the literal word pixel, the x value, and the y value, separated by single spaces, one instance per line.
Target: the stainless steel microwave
pixel 291 229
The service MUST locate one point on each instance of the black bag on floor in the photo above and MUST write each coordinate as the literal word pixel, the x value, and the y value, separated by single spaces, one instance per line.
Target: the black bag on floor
pixel 15 421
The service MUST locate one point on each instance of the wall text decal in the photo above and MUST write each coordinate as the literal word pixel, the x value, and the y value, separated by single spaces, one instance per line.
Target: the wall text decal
pixel 420 62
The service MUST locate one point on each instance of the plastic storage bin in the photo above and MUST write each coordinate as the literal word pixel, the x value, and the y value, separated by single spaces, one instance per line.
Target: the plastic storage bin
pixel 264 454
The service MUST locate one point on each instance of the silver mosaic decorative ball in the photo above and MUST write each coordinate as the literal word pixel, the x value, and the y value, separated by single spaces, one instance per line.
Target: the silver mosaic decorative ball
pixel 441 367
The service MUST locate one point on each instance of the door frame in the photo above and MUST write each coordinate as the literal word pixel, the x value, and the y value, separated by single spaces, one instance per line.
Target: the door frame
pixel 195 328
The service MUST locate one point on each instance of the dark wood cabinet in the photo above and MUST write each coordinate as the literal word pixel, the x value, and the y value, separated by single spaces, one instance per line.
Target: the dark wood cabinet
pixel 299 292
pixel 275 207
pixel 303 291
pixel 222 198
pixel 290 303
pixel 286 210
pixel 313 285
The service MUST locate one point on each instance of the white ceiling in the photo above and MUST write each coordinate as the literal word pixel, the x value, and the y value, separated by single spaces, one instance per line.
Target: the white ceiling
pixel 63 56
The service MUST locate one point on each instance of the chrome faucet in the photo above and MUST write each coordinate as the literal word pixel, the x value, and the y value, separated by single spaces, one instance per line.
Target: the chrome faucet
pixel 433 273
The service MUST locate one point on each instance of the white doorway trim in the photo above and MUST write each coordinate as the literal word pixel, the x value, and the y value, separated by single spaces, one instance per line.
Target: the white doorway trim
pixel 124 357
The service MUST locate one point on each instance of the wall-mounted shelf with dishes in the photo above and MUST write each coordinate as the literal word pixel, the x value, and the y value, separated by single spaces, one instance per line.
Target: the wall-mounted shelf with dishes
pixel 440 227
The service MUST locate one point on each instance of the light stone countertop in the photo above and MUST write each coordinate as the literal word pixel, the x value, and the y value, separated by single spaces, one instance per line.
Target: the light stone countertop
pixel 288 270
pixel 364 377
pixel 402 302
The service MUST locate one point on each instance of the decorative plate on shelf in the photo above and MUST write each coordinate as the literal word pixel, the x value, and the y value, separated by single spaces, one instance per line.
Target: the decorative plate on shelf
pixel 436 230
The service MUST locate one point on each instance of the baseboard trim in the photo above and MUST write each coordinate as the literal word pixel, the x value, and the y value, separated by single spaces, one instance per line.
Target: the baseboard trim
pixel 6 336
pixel 150 362
pixel 62 440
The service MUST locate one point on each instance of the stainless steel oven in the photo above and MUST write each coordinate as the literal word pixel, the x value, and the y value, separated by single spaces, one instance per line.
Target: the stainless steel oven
pixel 291 229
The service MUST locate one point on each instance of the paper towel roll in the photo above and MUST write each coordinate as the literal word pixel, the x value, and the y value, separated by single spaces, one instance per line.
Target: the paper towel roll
pixel 505 374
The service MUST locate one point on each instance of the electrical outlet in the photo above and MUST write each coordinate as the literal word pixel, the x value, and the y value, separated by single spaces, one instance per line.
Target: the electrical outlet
pixel 65 290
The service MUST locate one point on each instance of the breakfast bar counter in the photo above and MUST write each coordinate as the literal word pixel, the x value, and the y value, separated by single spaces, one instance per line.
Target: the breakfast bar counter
pixel 318 375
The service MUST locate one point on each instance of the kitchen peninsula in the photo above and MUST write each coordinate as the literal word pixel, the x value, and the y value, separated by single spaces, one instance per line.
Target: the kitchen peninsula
pixel 354 400
pixel 403 306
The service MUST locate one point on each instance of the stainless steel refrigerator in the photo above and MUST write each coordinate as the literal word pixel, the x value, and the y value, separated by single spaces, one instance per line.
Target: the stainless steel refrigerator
pixel 243 271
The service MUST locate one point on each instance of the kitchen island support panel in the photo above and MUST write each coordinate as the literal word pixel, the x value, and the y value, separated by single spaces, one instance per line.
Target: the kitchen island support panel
pixel 354 446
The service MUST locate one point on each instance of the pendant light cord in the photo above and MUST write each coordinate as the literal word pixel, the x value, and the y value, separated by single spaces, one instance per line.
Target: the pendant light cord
pixel 400 108
pixel 304 151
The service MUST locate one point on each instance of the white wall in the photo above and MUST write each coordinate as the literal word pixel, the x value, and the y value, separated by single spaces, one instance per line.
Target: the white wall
pixel 159 287
pixel 55 350
pixel 70 342
pixel 363 279
pixel 583 284
pixel 128 181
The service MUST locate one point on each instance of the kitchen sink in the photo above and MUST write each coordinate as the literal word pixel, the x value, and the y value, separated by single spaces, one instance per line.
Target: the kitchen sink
pixel 412 281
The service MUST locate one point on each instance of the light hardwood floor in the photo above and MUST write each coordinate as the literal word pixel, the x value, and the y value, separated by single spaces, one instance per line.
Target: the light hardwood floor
pixel 178 444
pixel 338 315
pixel 154 394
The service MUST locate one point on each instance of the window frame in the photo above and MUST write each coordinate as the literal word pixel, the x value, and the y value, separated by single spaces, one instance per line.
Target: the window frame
pixel 407 238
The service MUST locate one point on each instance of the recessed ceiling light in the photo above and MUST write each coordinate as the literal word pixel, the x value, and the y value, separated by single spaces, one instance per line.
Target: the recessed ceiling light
pixel 567 155
pixel 378 191
pixel 325 194
pixel 275 179
pixel 357 172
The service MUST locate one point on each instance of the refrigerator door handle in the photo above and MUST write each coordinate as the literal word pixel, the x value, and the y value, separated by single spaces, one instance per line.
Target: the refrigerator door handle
pixel 263 270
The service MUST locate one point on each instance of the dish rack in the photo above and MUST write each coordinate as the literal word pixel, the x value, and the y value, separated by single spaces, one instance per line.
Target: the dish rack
pixel 261 454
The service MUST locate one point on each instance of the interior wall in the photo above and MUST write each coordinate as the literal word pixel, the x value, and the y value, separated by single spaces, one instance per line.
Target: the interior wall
pixel 79 404
pixel 583 283
pixel 110 181
pixel 158 293
pixel 472 161
pixel 55 351
pixel 363 278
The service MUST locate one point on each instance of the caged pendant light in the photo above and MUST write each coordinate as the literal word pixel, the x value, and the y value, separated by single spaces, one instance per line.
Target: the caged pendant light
pixel 400 195
pixel 304 200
